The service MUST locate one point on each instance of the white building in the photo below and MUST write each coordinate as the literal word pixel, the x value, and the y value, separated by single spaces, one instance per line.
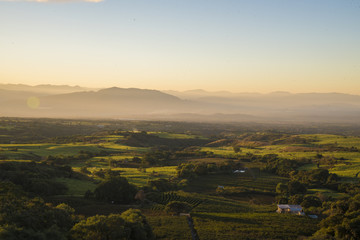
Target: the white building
pixel 294 209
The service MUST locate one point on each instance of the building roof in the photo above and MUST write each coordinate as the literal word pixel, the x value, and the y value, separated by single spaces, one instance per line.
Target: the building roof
pixel 291 207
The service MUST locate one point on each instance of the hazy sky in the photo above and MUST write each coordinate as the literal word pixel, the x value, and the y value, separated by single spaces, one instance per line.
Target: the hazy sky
pixel 236 45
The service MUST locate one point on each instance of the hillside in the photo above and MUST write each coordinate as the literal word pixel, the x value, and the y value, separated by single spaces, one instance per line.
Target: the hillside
pixel 196 105
pixel 105 103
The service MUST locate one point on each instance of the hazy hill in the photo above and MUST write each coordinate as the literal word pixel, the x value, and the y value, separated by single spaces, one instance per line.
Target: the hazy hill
pixel 43 89
pixel 196 105
pixel 105 103
pixel 280 106
pixel 10 95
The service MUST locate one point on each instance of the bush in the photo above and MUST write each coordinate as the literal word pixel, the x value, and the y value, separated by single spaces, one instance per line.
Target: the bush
pixel 115 189
pixel 311 201
pixel 161 185
pixel 131 224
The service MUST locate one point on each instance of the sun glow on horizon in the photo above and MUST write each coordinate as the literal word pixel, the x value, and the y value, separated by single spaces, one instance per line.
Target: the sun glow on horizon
pixel 241 46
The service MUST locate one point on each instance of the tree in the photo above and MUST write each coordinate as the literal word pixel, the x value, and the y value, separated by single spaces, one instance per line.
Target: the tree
pixel 135 221
pixel 281 188
pixel 23 218
pixel 186 171
pixel 115 189
pixel 161 185
pixel 296 199
pixel 319 175
pixel 295 187
pixel 201 169
pixel 311 201
pixel 110 227
pixel 131 224
pixel 349 229
pixel 236 149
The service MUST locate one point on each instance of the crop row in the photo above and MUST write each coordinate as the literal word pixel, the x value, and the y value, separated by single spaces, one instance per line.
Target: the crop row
pixel 165 198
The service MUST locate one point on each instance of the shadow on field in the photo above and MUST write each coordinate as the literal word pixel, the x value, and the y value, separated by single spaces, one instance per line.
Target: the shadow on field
pixel 223 218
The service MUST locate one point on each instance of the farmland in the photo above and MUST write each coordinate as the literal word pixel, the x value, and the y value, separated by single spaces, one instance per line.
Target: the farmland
pixel 192 167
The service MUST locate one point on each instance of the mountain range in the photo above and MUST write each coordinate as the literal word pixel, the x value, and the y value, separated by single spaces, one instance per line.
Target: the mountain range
pixel 195 105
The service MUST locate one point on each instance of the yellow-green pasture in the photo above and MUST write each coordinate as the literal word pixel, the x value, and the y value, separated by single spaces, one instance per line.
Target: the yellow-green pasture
pixel 112 138
pixel 103 161
pixel 140 178
pixel 136 176
pixel 348 167
pixel 17 151
pixel 15 160
pixel 224 151
pixel 115 146
pixel 341 141
pixel 326 192
pixel 347 170
pixel 77 187
pixel 176 135
pixel 280 150
pixel 48 149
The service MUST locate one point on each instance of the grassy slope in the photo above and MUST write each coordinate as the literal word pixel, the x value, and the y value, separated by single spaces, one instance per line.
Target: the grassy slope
pixel 344 168
pixel 216 217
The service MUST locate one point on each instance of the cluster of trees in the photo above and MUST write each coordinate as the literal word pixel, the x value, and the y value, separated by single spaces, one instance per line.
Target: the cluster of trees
pixel 162 156
pixel 142 139
pixel 82 155
pixel 251 140
pixel 102 173
pixel 38 130
pixel 192 170
pixel 341 217
pixel 162 185
pixel 115 189
pixel 316 178
pixel 74 139
pixel 25 215
pixel 131 224
pixel 293 192
pixel 35 178
pixel 333 147
pixel 291 188
pixel 280 166
pixel 349 188
pixel 343 221
pixel 24 218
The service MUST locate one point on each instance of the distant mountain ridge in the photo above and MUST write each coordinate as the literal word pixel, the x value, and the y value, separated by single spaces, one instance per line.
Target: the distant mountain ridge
pixel 43 88
pixel 105 103
pixel 195 105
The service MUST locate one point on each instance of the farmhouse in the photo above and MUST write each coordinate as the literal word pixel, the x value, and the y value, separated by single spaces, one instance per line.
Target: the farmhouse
pixel 294 209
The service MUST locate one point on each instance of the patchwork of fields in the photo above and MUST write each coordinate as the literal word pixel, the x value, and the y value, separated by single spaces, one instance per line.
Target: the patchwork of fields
pixel 224 206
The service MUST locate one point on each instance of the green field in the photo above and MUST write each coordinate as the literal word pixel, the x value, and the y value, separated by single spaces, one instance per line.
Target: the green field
pixel 139 178
pixel 327 193
pixel 77 187
pixel 168 227
pixel 249 181
pixel 252 226
pixel 348 167
pixel 224 204
pixel 176 135
pixel 48 149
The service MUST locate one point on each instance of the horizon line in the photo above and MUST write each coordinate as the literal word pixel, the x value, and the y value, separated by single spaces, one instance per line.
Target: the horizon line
pixel 179 91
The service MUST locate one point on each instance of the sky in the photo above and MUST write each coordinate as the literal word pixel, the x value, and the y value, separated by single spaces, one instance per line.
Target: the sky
pixel 234 45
